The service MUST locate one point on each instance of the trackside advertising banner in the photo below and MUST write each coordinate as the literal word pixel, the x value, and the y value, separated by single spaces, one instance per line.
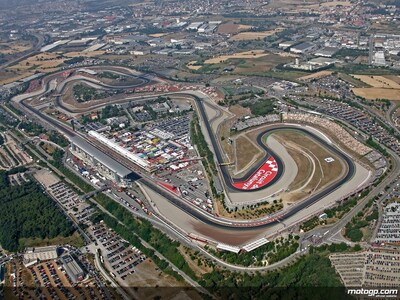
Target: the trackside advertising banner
pixel 265 174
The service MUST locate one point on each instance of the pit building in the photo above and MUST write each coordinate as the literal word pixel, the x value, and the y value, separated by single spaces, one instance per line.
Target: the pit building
pixel 104 164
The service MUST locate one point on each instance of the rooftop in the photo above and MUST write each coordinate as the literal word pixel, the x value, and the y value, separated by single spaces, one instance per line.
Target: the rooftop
pixel 229 248
pixel 254 245
pixel 109 162
pixel 70 263
pixel 303 46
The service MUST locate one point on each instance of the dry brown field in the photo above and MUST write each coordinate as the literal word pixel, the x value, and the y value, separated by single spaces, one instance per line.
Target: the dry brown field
pixel 191 65
pixel 230 28
pixel 316 75
pixel 85 54
pixel 250 35
pixel 246 54
pixel 14 47
pixel 387 82
pixel 246 151
pixel 378 93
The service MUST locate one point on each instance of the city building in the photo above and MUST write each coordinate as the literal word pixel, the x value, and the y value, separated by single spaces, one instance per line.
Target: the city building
pixel 122 151
pixel 160 107
pixel 35 255
pixel 72 268
pixel 302 48
pixel 327 52
pixel 194 26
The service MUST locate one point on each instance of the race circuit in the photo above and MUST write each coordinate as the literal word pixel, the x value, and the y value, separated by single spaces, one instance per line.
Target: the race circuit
pixel 270 156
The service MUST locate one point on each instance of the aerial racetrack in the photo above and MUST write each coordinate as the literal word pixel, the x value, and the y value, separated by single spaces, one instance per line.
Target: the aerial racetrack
pixel 267 172
pixel 280 216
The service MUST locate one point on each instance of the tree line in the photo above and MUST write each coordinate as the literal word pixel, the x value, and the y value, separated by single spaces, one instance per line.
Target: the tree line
pixel 314 270
pixel 26 212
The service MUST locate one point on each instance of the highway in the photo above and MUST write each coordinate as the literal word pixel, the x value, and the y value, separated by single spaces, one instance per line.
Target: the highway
pixel 106 275
pixel 34 50
pixel 389 117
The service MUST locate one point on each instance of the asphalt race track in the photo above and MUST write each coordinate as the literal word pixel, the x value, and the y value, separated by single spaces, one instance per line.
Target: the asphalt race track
pixel 273 220
pixel 221 222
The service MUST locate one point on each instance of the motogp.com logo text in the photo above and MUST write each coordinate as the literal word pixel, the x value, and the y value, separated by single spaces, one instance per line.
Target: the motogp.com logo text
pixel 378 293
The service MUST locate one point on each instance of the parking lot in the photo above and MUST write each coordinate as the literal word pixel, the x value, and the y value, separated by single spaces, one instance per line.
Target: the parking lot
pixel 48 280
pixel 45 275
pixel 376 267
pixel 353 114
pixel 178 126
pixel 192 185
pixel 55 282
pixel 389 230
pixel 67 197
pixel 18 179
pixel 118 256
pixel 70 200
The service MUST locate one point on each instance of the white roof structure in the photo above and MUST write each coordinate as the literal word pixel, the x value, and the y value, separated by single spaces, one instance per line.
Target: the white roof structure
pixel 379 58
pixel 94 47
pixel 32 255
pixel 254 245
pixel 54 45
pixel 303 47
pixel 162 134
pixel 229 248
pixel 124 152
pixel 106 160
pixel 194 25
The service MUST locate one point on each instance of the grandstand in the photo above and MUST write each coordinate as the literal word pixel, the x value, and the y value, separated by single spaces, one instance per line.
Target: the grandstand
pixel 104 164
pixel 254 245
pixel 225 247
pixel 122 151
pixel 344 136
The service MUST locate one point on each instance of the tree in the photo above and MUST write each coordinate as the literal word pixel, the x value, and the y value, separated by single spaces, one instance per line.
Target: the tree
pixel 28 213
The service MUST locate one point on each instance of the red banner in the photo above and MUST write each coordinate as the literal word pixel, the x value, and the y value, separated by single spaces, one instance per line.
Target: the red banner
pixel 264 175
pixel 168 186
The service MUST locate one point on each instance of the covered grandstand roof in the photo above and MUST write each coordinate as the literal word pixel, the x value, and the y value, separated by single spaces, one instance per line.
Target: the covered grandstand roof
pixel 126 153
pixel 104 159
pixel 254 245
pixel 226 247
